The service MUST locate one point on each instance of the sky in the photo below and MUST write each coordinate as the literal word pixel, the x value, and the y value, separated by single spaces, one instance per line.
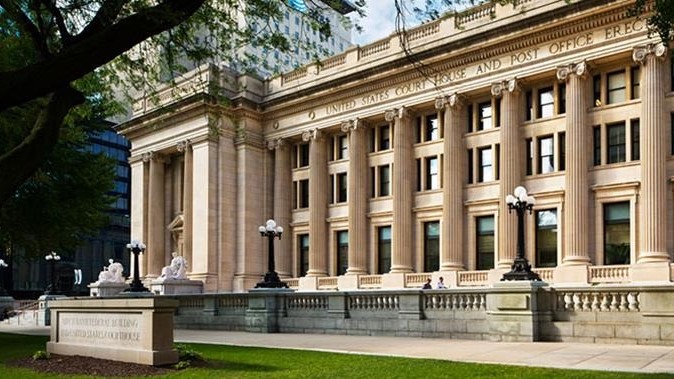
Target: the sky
pixel 379 22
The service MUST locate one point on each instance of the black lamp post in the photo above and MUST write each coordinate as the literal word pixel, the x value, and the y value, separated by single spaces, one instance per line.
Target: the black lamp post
pixel 52 258
pixel 271 279
pixel 137 248
pixel 2 289
pixel 520 202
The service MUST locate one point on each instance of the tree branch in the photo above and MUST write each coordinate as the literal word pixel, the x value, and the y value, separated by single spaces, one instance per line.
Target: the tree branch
pixel 94 51
pixel 21 162
pixel 66 37
pixel 27 25
pixel 105 16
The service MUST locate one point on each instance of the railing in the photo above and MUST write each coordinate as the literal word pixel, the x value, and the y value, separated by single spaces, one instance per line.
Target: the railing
pixel 296 74
pixel 424 31
pixel 473 278
pixel 375 48
pixel 544 273
pixel 327 283
pixel 598 301
pixel 234 301
pixel 293 283
pixel 474 14
pixel 307 302
pixel 609 274
pixel 369 281
pixel 191 302
pixel 455 301
pixel 332 62
pixel 416 279
pixel 374 302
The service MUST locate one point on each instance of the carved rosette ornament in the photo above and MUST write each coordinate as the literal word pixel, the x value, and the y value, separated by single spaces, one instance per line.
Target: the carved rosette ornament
pixel 579 69
pixel 640 53
pixel 511 86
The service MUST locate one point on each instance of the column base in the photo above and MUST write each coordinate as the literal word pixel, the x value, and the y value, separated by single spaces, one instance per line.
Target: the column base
pixel 571 274
pixel 308 283
pixel 393 281
pixel 651 272
pixel 347 282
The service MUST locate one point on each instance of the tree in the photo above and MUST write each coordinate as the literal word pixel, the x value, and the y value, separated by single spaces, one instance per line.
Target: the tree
pixel 47 46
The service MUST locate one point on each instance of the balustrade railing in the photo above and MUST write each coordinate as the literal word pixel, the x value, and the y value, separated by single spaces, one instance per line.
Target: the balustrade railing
pixel 598 301
pixel 374 302
pixel 416 279
pixel 609 274
pixel 455 301
pixel 327 283
pixel 307 302
pixel 369 281
pixel 473 278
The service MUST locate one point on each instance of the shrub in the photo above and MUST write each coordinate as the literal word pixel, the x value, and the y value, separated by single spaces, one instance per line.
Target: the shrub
pixel 40 354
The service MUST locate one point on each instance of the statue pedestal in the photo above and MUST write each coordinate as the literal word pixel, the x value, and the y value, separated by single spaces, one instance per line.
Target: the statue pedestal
pixel 166 286
pixel 106 289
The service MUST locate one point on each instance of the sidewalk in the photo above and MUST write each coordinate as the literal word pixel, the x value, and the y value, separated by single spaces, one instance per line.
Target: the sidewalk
pixel 634 358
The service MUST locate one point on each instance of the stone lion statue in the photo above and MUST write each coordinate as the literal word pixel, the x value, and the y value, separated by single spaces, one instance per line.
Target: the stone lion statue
pixel 112 273
pixel 177 269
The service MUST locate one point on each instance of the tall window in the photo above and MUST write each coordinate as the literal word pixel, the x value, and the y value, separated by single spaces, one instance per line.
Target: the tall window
pixel 530 155
pixel 342 147
pixel 431 246
pixel 616 87
pixel 384 137
pixel 486 157
pixel 484 116
pixel 546 155
pixel 303 245
pixel 616 143
pixel 561 142
pixel 617 233
pixel 470 158
pixel 432 173
pixel 634 131
pixel 546 238
pixel 432 130
pixel 485 242
pixel 384 180
pixel 596 90
pixel 341 187
pixel 546 102
pixel 383 249
pixel 596 143
pixel 342 252
pixel 529 104
pixel 303 155
pixel 304 193
pixel 561 95
pixel 636 81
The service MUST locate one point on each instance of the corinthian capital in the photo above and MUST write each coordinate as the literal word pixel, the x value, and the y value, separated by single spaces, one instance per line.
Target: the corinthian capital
pixel 640 53
pixel 181 146
pixel 511 86
pixel 454 101
pixel 275 143
pixel 346 126
pixel 579 69
pixel 312 134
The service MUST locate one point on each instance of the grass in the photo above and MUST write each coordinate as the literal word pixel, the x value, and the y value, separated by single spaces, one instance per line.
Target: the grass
pixel 245 362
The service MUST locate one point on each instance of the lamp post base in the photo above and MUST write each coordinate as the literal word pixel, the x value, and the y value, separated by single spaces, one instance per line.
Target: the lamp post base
pixel 137 286
pixel 271 280
pixel 520 270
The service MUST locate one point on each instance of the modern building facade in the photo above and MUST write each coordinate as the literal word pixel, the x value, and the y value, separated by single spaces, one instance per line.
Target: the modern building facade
pixel 384 173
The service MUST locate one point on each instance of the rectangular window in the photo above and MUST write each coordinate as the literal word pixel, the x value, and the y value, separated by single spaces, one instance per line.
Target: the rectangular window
pixel 596 90
pixel 616 143
pixel 342 252
pixel 431 246
pixel 546 238
pixel 384 181
pixel 432 129
pixel 634 130
pixel 617 233
pixel 373 187
pixel 303 155
pixel 383 249
pixel 485 116
pixel 615 83
pixel 304 193
pixel 342 187
pixel 418 176
pixel 529 111
pixel 486 164
pixel 671 136
pixel 331 190
pixel 342 147
pixel 303 245
pixel 530 155
pixel 485 242
pixel 546 102
pixel 497 157
pixel 636 81
pixel 561 97
pixel 546 155
pixel 596 143
pixel 384 137
pixel 470 162
pixel 432 173
pixel 471 127
pixel 561 141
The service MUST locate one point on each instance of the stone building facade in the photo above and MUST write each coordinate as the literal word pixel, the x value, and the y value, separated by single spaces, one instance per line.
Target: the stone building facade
pixel 384 173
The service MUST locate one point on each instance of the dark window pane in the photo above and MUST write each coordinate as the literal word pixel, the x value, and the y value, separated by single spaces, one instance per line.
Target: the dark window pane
pixel 561 96
pixel 303 243
pixel 431 246
pixel 432 173
pixel 596 90
pixel 341 187
pixel 636 85
pixel 304 155
pixel 546 238
pixel 596 141
pixel 384 137
pixel 432 129
pixel 485 242
pixel 561 138
pixel 616 143
pixel 546 161
pixel 486 173
pixel 384 180
pixel 342 252
pixel 485 116
pixel 384 249
pixel 530 155
pixel 634 126
pixel 615 83
pixel 617 233
pixel 546 102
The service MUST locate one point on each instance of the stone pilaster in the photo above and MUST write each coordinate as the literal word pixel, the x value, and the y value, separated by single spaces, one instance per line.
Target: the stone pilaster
pixel 576 194
pixel 509 170
pixel 139 204
pixel 156 217
pixel 454 161
pixel 186 148
pixel 282 204
pixel 403 174
pixel 318 203
pixel 357 196
pixel 653 196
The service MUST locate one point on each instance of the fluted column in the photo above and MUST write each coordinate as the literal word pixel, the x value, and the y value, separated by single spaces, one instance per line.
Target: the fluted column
pixel 454 163
pixel 653 195
pixel 576 194
pixel 403 174
pixel 318 203
pixel 139 205
pixel 510 172
pixel 282 204
pixel 357 196
pixel 156 222
pixel 186 148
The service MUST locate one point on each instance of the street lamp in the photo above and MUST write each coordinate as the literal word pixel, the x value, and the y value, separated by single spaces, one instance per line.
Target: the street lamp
pixel 2 266
pixel 271 279
pixel 520 201
pixel 52 258
pixel 136 247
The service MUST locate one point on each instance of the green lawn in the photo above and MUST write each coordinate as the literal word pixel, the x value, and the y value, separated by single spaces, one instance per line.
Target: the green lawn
pixel 244 362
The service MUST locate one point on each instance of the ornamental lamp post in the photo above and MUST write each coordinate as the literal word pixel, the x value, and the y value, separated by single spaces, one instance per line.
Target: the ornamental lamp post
pixel 52 258
pixel 2 266
pixel 520 201
pixel 136 248
pixel 271 279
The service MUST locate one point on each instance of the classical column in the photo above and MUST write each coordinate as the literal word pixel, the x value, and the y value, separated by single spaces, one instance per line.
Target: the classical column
pixel 156 221
pixel 186 148
pixel 653 195
pixel 510 172
pixel 139 204
pixel 282 204
pixel 357 196
pixel 403 182
pixel 576 194
pixel 318 203
pixel 454 163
